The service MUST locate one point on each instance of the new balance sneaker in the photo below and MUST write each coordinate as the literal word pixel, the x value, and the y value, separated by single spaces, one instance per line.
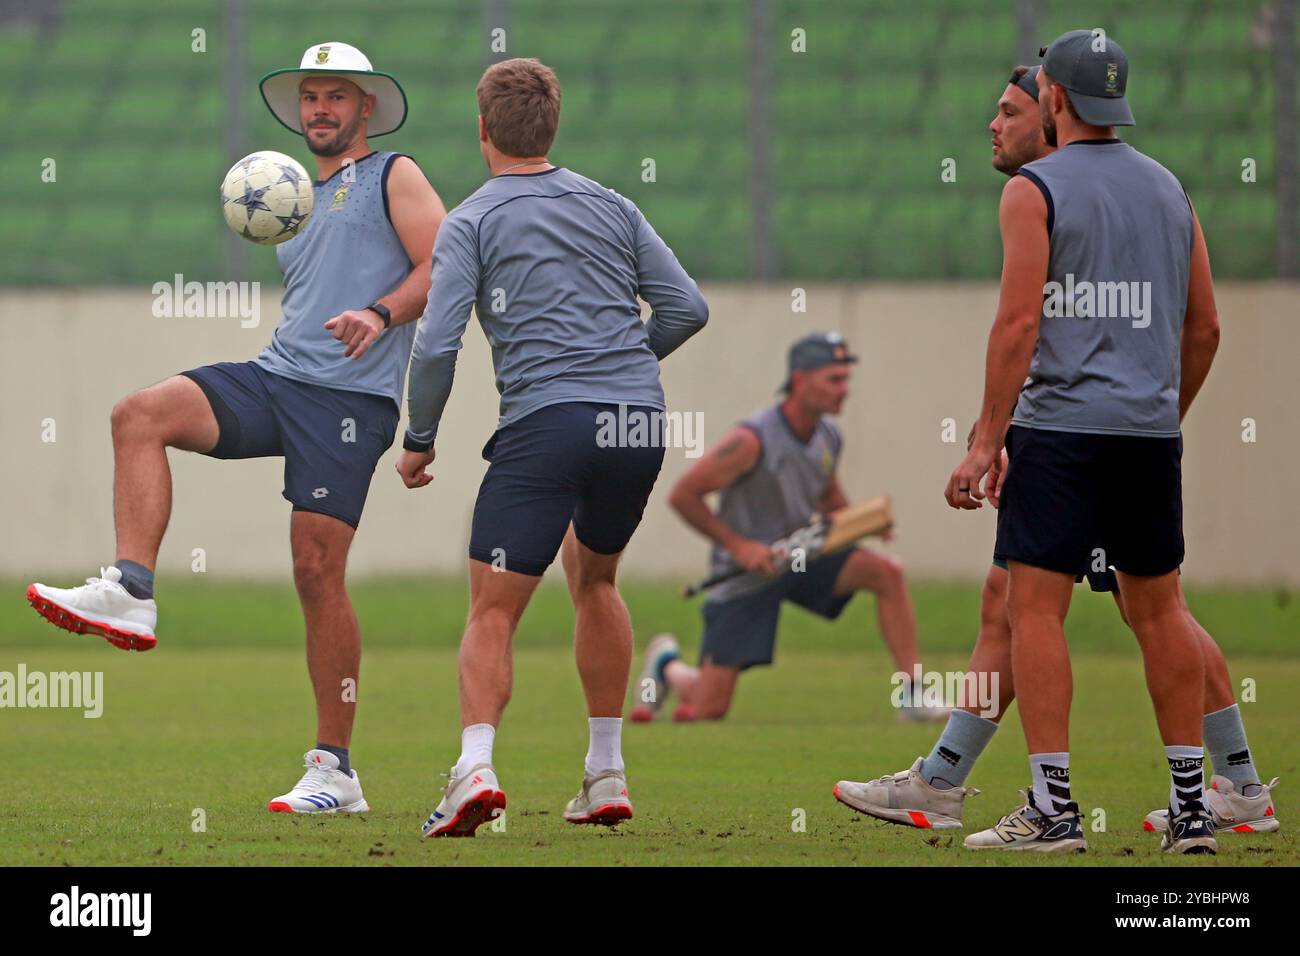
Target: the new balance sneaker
pixel 324 788
pixel 660 646
pixel 467 803
pixel 906 797
pixel 1231 811
pixel 100 606
pixel 1028 829
pixel 603 799
pixel 1191 831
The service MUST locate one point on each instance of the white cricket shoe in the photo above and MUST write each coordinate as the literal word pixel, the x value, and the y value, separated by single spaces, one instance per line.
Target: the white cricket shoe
pixel 906 797
pixel 923 713
pixel 603 799
pixel 100 606
pixel 646 711
pixel 467 803
pixel 1230 811
pixel 324 788
pixel 1028 829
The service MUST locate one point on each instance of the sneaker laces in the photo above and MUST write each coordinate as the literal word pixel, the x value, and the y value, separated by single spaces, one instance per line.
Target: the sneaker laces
pixel 106 581
pixel 1028 805
pixel 316 778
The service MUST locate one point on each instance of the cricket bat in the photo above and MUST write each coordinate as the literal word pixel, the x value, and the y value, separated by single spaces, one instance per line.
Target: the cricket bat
pixel 823 535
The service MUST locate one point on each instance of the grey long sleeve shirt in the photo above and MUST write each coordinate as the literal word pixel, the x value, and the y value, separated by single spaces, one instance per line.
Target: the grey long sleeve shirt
pixel 553 263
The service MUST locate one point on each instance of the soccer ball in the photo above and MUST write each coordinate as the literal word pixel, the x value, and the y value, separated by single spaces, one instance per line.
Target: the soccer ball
pixel 266 197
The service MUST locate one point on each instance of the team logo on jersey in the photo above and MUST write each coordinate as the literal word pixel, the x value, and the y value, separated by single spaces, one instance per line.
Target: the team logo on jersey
pixel 322 54
pixel 340 197
pixel 828 461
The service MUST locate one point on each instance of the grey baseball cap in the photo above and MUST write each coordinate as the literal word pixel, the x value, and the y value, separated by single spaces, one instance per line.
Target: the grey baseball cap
pixel 1028 82
pixel 1094 68
pixel 815 350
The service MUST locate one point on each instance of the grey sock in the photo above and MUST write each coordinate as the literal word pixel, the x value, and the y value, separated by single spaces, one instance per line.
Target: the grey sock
pixel 340 752
pixel 1225 739
pixel 136 578
pixel 958 747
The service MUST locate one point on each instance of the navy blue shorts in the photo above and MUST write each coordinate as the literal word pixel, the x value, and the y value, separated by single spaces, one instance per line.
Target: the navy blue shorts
pixel 331 439
pixel 741 631
pixel 1068 493
pixel 548 469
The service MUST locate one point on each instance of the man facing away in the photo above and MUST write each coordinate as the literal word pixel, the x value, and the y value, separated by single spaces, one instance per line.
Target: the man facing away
pixel 355 278
pixel 553 264
pixel 930 794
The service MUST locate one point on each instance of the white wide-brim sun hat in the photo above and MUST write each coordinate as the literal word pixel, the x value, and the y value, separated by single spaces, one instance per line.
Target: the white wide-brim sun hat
pixel 280 87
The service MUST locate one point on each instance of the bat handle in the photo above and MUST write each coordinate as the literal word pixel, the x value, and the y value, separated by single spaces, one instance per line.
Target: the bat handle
pixel 693 589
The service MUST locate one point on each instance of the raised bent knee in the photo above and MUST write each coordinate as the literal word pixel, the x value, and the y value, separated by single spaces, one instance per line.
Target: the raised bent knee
pixel 892 574
pixel 128 419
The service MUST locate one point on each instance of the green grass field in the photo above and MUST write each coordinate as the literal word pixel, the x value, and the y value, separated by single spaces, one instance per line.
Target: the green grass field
pixel 215 720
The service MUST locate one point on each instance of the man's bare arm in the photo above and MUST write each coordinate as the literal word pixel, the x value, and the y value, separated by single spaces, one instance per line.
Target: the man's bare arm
pixel 417 212
pixel 721 466
pixel 1200 324
pixel 1022 216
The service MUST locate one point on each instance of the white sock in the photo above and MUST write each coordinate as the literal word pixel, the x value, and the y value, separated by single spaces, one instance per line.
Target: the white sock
pixel 605 752
pixel 1186 772
pixel 475 747
pixel 1051 779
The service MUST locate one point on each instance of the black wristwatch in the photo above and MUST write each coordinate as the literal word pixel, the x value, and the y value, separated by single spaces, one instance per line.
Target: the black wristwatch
pixel 382 312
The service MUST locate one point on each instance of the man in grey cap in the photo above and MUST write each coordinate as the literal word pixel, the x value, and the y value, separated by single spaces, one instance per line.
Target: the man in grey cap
pixel 1105 332
pixel 774 470
pixel 930 794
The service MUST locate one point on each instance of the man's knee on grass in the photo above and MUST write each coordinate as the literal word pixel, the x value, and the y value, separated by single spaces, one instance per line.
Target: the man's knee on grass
pixel 713 691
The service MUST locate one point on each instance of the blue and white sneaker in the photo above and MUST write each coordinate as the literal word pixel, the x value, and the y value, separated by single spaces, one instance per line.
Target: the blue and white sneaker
pixel 662 648
pixel 1191 831
pixel 1029 829
pixel 467 803
pixel 324 788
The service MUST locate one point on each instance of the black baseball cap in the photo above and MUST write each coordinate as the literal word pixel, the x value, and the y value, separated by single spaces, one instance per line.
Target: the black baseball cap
pixel 1094 68
pixel 814 351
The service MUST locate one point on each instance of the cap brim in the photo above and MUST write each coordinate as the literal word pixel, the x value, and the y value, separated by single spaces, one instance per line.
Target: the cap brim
pixel 847 360
pixel 280 93
pixel 1102 110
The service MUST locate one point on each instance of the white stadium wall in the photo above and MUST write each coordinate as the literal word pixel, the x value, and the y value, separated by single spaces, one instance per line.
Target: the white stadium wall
pixel 66 357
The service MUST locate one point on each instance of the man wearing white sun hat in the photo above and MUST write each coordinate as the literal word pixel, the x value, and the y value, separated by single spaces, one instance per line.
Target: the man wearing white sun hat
pixel 324 395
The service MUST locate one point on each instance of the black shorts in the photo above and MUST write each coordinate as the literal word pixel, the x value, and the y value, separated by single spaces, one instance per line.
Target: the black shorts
pixel 548 469
pixel 741 631
pixel 1067 494
pixel 331 439
pixel 1100 581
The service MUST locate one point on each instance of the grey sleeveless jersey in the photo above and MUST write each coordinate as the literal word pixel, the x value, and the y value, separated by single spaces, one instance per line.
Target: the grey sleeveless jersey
pixel 348 256
pixel 1108 355
pixel 779 494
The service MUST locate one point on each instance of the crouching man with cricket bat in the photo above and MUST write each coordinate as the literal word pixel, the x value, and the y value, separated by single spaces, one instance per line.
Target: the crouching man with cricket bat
pixel 775 470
